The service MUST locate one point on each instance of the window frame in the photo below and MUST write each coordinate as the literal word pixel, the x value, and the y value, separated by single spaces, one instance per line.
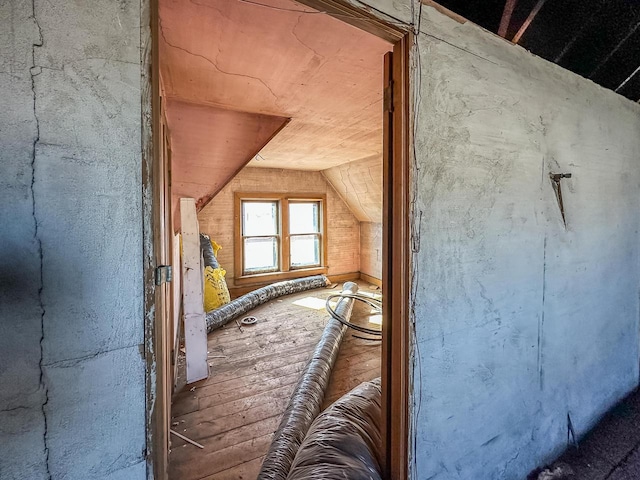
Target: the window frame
pixel 285 270
pixel 277 236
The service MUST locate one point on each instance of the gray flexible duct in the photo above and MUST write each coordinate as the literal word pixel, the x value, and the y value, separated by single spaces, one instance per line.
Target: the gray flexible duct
pixel 344 441
pixel 306 400
pixel 241 305
pixel 206 248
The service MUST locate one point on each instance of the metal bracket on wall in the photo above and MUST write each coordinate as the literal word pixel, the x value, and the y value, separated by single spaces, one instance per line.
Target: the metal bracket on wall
pixel 164 274
pixel 557 188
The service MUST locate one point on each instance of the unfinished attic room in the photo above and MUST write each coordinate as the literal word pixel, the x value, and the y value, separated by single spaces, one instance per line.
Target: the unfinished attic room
pixel 273 134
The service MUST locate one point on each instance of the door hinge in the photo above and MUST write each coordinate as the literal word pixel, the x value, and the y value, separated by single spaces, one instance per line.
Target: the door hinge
pixel 163 274
pixel 388 98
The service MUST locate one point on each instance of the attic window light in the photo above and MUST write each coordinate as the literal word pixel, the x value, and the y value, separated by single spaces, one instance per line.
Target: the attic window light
pixel 280 234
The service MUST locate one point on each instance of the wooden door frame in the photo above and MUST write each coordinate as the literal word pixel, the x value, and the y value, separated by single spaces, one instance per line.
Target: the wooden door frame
pixel 396 237
pixel 157 349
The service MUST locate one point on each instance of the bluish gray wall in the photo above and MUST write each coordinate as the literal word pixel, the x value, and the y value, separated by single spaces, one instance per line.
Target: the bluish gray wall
pixel 518 320
pixel 72 396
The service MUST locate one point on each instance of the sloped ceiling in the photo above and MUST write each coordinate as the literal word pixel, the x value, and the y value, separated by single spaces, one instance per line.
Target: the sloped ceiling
pixel 210 145
pixel 276 59
pixel 359 184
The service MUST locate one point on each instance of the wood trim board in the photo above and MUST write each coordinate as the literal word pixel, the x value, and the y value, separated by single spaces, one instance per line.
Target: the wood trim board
pixel 395 265
pixel 195 328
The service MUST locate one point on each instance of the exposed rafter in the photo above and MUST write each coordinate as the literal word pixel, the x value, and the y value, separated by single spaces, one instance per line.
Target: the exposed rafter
pixel 635 72
pixel 614 51
pixel 586 26
pixel 598 39
pixel 528 21
pixel 509 6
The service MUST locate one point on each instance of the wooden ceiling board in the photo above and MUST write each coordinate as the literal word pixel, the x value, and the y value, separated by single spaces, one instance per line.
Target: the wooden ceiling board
pixel 321 72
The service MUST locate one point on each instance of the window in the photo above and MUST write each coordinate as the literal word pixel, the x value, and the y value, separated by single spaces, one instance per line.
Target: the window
pixel 279 235
pixel 304 234
pixel 260 236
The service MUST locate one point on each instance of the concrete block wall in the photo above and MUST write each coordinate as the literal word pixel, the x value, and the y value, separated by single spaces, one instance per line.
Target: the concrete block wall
pixel 217 218
pixel 72 402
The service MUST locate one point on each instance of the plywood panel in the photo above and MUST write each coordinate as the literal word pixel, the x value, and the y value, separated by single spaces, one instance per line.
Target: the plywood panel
pixel 195 332
pixel 277 60
pixel 209 145
pixel 343 236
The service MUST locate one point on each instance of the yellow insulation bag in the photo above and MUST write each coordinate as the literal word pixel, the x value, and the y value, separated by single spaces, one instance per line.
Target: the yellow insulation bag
pixel 216 248
pixel 216 292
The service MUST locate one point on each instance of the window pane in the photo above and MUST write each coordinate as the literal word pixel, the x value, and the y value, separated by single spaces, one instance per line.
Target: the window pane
pixel 304 217
pixel 259 218
pixel 305 250
pixel 260 254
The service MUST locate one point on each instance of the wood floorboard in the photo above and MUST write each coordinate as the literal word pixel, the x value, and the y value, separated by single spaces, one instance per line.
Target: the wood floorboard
pixel 194 403
pixel 235 412
pixel 225 458
pixel 234 383
pixel 227 439
pixel 246 471
pixel 241 405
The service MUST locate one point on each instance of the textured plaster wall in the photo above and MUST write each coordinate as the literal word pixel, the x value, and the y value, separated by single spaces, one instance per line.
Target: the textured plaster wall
pixel 72 402
pixel 518 320
pixel 343 236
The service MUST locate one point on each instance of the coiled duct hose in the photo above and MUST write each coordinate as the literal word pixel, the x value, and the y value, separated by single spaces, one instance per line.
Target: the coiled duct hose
pixel 241 305
pixel 372 302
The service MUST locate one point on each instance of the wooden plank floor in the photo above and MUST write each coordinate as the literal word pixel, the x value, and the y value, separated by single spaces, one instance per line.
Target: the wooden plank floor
pixel 234 413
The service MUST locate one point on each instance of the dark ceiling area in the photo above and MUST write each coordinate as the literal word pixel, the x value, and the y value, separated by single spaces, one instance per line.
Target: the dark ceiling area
pixel 598 39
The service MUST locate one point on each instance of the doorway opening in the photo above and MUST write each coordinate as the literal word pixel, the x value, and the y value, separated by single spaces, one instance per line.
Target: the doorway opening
pixel 288 127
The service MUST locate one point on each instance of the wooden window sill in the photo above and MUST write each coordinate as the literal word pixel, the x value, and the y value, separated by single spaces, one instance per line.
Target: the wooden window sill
pixel 266 278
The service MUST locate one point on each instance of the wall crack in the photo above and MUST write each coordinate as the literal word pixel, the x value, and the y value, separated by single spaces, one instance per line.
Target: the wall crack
pixel 214 64
pixel 34 72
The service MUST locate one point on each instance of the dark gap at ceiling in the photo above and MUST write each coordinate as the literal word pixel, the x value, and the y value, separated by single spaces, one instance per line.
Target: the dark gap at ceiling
pixel 597 39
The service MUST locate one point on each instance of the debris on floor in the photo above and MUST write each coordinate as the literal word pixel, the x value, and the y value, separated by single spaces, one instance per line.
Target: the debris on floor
pixel 610 451
pixel 559 471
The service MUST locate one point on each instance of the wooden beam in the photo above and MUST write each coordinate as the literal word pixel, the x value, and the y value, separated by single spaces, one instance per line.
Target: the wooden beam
pixel 509 6
pixel 528 21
